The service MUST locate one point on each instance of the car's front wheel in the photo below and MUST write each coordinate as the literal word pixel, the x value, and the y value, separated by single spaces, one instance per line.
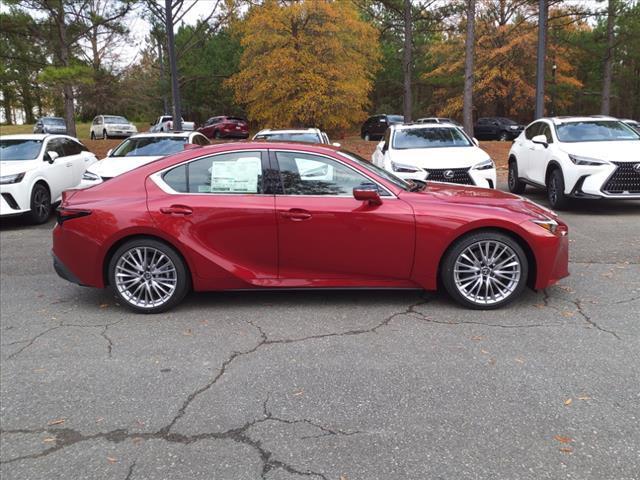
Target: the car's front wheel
pixel 555 190
pixel 148 275
pixel 515 184
pixel 485 270
pixel 40 207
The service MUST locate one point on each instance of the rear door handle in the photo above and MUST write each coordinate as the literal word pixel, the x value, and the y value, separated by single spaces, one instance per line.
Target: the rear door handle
pixel 177 210
pixel 296 214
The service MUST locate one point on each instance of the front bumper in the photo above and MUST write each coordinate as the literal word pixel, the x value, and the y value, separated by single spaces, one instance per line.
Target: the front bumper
pixel 14 199
pixel 480 178
pixel 551 252
pixel 599 182
pixel 120 133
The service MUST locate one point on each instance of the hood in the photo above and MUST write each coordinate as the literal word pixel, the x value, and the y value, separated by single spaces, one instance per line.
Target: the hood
pixel 18 166
pixel 487 197
pixel 452 157
pixel 120 126
pixel 114 166
pixel 621 151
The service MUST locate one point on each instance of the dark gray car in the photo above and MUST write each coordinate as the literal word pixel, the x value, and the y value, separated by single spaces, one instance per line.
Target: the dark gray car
pixel 50 125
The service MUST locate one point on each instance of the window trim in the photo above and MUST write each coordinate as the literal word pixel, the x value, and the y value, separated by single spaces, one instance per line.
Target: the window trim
pixel 275 166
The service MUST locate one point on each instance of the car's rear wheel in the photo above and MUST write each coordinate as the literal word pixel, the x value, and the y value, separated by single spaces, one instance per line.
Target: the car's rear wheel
pixel 555 190
pixel 40 205
pixel 148 275
pixel 515 184
pixel 485 270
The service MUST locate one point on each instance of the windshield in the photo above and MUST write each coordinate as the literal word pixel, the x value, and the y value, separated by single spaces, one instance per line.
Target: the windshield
pixel 595 131
pixel 442 137
pixel 54 121
pixel 13 150
pixel 290 137
pixel 150 146
pixel 398 182
pixel 115 120
pixel 395 118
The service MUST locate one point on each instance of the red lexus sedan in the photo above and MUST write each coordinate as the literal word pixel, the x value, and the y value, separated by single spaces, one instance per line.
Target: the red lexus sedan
pixel 283 215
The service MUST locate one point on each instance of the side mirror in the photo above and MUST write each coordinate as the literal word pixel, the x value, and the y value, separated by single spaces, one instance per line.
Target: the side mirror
pixel 51 156
pixel 475 142
pixel 336 144
pixel 369 195
pixel 540 140
pixel 109 152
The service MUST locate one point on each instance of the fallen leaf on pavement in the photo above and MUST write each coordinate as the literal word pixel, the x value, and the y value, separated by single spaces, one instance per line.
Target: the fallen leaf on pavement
pixel 562 439
pixel 343 477
pixel 188 332
pixel 477 337
pixel 112 460
pixel 485 352
pixel 58 421
pixel 584 398
pixel 566 450
pixel 49 440
pixel 104 305
pixel 298 392
pixel 39 370
pixel 99 419
pixel 519 360
pixel 137 440
pixel 568 401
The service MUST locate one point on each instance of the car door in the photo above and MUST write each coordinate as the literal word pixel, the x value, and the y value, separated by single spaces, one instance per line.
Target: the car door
pixel 325 233
pixel 80 160
pixel 527 150
pixel 221 205
pixel 59 173
pixel 539 155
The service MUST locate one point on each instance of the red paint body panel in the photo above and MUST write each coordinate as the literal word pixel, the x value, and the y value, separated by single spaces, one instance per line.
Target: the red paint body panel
pixel 279 241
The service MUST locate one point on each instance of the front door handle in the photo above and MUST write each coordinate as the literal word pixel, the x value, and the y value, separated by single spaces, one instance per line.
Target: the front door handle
pixel 69 164
pixel 177 210
pixel 296 214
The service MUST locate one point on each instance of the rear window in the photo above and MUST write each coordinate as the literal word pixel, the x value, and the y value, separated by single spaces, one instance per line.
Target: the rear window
pixel 59 122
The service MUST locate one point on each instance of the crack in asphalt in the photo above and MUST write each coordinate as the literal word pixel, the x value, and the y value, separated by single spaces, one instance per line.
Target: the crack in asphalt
pixel 591 322
pixel 32 340
pixel 130 471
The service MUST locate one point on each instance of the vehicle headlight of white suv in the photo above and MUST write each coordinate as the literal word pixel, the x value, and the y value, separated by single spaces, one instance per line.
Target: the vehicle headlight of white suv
pixel 91 177
pixel 14 178
pixel 484 165
pixel 404 168
pixel 586 161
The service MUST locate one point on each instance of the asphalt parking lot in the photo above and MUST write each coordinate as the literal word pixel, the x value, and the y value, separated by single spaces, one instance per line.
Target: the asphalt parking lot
pixel 333 385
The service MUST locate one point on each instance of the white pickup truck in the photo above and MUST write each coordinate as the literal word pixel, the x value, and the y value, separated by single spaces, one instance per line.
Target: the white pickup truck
pixel 164 123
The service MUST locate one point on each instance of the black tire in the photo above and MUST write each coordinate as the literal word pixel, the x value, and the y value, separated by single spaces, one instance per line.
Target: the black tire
pixel 448 274
pixel 504 137
pixel 515 184
pixel 104 135
pixel 555 191
pixel 40 205
pixel 182 275
pixel 93 135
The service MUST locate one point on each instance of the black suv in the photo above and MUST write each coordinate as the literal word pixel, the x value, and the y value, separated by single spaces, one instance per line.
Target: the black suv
pixel 374 127
pixel 496 128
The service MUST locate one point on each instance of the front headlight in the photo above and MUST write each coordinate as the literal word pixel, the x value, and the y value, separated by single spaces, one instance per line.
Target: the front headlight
pixel 484 165
pixel 15 178
pixel 586 161
pixel 548 224
pixel 91 177
pixel 403 168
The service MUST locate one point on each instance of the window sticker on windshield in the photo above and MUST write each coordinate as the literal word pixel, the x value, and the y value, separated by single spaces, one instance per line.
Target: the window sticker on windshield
pixel 239 176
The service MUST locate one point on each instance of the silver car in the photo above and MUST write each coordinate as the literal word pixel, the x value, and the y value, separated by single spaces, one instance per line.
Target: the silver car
pixel 50 125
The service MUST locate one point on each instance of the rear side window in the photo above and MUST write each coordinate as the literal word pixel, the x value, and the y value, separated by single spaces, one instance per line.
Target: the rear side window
pixel 230 173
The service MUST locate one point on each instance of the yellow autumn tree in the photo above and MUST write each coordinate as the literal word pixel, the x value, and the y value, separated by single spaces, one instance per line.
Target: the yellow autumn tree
pixel 306 63
pixel 505 59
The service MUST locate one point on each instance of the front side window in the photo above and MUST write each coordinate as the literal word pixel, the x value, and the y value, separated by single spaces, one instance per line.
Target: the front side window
pixel 532 130
pixel 429 138
pixel 307 174
pixel 229 173
pixel 546 131
pixel 595 131
pixel 16 150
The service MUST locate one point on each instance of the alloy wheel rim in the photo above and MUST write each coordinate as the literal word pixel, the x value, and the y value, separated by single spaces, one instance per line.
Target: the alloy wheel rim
pixel 487 272
pixel 146 277
pixel 41 203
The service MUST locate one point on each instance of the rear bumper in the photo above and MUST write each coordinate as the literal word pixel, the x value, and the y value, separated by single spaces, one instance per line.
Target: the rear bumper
pixel 63 271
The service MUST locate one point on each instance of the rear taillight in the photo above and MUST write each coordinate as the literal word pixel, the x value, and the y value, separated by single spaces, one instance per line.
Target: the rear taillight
pixel 64 214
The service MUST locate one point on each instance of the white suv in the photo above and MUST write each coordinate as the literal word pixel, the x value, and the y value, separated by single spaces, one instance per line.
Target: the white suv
pixel 439 152
pixel 577 157
pixel 108 126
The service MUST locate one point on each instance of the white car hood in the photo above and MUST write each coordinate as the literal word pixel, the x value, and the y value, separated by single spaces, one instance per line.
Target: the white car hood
pixel 114 166
pixel 622 151
pixel 451 157
pixel 118 126
pixel 12 167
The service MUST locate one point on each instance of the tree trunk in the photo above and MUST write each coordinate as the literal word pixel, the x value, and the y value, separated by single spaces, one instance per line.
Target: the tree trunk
pixel 407 62
pixel 163 76
pixel 605 108
pixel 541 57
pixel 27 103
pixel 467 106
pixel 6 105
pixel 67 89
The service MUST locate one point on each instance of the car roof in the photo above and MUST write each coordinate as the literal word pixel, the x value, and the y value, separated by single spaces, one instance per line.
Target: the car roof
pixel 35 136
pixel 182 133
pixel 568 119
pixel 291 130
pixel 410 126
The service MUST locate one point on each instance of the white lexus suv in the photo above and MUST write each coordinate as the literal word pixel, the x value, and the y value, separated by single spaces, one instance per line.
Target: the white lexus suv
pixel 438 152
pixel 577 157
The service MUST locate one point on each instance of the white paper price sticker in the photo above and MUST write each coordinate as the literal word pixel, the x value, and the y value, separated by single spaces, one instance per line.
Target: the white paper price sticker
pixel 239 176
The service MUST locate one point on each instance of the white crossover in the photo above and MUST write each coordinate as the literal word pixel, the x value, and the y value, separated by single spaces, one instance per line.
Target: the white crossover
pixel 35 169
pixel 139 150
pixel 107 126
pixel 577 157
pixel 436 152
